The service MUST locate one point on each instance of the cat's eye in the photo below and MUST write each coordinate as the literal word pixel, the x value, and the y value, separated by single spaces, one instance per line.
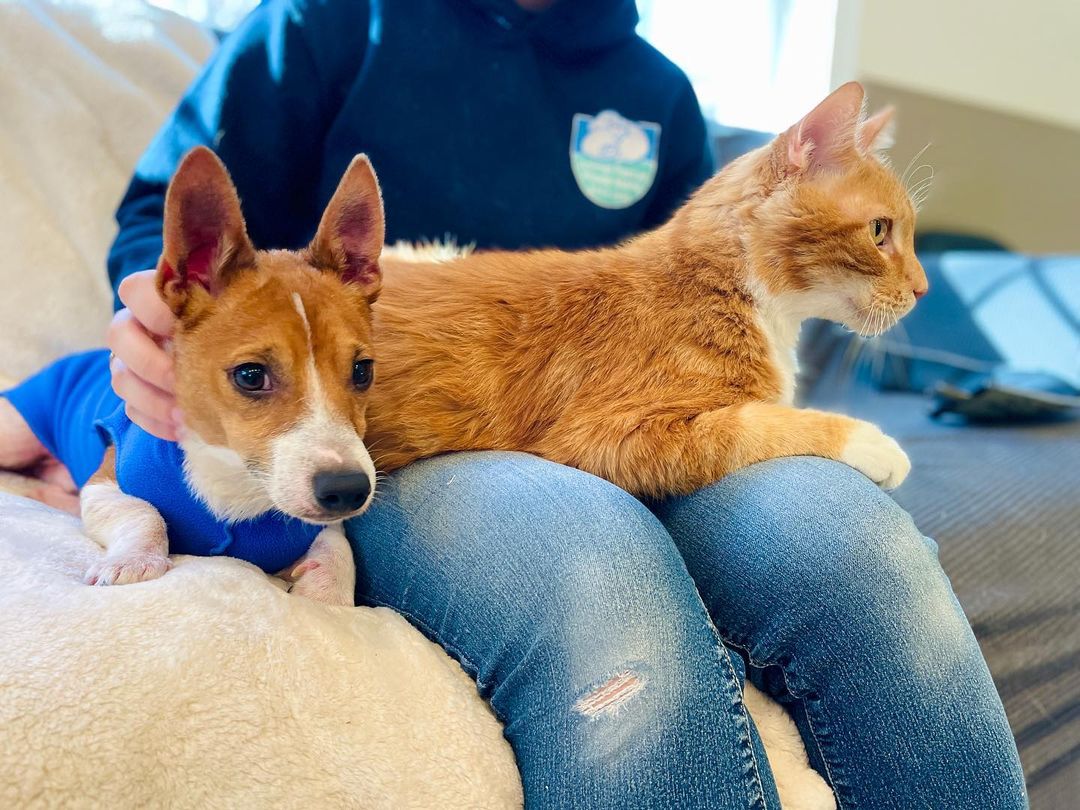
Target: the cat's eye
pixel 252 378
pixel 363 372
pixel 879 229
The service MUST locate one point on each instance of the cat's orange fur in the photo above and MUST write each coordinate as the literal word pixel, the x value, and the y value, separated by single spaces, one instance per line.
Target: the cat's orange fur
pixel 667 362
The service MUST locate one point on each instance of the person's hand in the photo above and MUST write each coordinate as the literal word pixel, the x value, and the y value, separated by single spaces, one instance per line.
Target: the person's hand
pixel 55 486
pixel 142 371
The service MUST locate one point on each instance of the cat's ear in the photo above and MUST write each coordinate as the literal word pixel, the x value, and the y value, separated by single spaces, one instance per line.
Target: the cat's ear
pixel 203 234
pixel 825 137
pixel 876 132
pixel 350 235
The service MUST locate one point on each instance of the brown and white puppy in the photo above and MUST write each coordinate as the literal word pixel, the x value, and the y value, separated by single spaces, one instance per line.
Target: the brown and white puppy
pixel 273 359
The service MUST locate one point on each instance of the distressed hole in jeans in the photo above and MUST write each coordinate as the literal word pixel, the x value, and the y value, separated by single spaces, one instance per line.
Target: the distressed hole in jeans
pixel 611 696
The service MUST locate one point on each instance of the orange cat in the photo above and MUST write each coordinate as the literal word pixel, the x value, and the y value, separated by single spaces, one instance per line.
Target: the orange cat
pixel 666 362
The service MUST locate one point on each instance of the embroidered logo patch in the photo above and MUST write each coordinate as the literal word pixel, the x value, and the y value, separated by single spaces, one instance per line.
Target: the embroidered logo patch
pixel 613 159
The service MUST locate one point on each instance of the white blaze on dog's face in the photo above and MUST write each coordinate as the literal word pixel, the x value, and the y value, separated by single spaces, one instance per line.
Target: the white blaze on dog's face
pixel 273 351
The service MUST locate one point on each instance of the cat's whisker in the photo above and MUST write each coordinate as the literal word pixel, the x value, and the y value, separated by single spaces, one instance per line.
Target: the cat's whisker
pixel 877 318
pixel 908 170
pixel 911 181
pixel 868 319
pixel 922 189
pixel 923 183
pixel 871 326
pixel 919 190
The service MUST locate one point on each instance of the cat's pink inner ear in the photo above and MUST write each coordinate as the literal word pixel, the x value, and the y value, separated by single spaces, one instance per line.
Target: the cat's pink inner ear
pixel 876 132
pixel 826 136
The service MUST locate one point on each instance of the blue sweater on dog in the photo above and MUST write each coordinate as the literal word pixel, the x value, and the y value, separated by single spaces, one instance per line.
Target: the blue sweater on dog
pixel 73 411
pixel 484 122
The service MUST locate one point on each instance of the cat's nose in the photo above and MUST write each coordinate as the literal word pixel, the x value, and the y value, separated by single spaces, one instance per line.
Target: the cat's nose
pixel 919 283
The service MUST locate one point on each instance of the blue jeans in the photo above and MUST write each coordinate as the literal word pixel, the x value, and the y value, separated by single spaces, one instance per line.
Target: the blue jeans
pixel 612 639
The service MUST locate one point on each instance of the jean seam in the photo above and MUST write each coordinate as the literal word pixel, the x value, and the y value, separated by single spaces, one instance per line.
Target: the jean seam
pixel 821 752
pixel 725 657
pixel 746 720
pixel 728 639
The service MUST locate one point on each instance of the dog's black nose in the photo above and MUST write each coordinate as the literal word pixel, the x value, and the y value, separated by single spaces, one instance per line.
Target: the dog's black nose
pixel 341 492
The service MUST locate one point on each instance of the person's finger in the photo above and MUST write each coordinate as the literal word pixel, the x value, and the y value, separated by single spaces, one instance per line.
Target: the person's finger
pixel 133 346
pixel 57 498
pixel 139 293
pixel 51 471
pixel 155 427
pixel 144 398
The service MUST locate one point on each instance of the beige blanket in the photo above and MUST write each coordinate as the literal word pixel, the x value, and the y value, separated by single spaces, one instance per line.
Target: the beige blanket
pixel 212 687
pixel 85 84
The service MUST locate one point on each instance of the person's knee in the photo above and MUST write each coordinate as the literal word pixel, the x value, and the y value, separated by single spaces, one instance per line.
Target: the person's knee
pixel 563 594
pixel 804 514
pixel 501 506
pixel 835 528
pixel 543 550
pixel 813 543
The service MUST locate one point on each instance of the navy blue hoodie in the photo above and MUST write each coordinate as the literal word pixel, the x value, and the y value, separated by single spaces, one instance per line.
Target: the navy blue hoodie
pixel 483 121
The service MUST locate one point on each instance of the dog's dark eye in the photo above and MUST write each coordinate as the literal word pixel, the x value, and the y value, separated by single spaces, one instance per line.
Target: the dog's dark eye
pixel 251 377
pixel 363 372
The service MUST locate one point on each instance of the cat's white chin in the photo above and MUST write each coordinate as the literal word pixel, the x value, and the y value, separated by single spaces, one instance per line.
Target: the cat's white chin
pixel 871 320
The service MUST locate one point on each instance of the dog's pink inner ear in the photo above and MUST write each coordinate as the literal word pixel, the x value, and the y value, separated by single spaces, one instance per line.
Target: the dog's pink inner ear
pixel 355 229
pixel 350 235
pixel 205 239
pixel 203 218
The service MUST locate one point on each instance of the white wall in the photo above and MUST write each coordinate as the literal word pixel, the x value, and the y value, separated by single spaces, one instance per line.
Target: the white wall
pixel 1015 56
pixel 758 64
pixel 994 88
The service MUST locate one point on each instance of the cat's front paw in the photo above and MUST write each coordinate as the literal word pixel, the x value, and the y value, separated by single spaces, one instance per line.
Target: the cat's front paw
pixel 128 568
pixel 876 456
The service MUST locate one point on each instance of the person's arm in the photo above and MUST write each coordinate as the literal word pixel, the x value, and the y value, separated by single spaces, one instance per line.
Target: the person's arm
pixel 686 159
pixel 263 102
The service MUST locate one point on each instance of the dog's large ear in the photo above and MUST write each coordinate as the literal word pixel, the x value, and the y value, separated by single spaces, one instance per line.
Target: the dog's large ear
pixel 351 232
pixel 205 239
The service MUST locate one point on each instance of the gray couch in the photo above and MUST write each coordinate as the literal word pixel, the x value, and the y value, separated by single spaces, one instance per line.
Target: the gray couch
pixel 1002 500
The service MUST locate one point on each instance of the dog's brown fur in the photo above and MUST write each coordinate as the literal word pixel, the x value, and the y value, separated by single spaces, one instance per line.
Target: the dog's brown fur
pixel 302 321
pixel 649 364
pixel 239 306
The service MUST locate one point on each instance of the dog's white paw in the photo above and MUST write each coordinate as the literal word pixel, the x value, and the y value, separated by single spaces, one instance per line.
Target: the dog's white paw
pixel 326 573
pixel 317 581
pixel 127 569
pixel 876 456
